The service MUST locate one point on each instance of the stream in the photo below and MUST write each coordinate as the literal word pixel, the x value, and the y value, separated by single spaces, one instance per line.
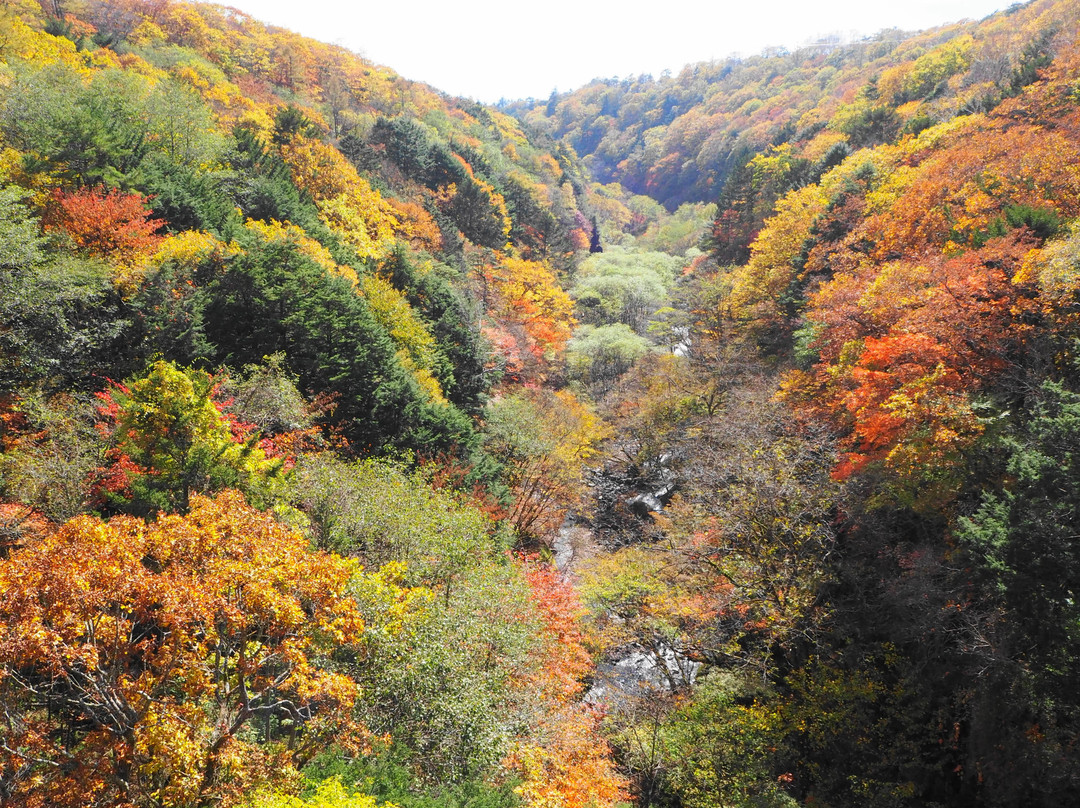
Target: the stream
pixel 633 671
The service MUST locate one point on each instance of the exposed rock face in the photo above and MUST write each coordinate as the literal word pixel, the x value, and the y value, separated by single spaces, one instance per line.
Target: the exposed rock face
pixel 636 671
pixel 624 500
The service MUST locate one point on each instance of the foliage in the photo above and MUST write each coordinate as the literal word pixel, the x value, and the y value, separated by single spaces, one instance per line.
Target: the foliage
pixel 619 287
pixel 720 747
pixel 176 661
pixel 50 461
pixel 171 440
pixel 330 793
pixel 107 224
pixel 61 320
pixel 273 298
pixel 858 592
pixel 385 774
pixel 598 356
pixel 431 292
pixel 1021 549
pixel 544 439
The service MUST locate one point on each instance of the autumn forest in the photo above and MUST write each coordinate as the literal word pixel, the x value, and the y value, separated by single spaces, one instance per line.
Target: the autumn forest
pixel 700 441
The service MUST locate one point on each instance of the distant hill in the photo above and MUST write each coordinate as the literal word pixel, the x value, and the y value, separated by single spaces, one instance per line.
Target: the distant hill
pixel 677 138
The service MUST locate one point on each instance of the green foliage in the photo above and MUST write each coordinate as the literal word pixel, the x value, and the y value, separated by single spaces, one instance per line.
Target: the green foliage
pixel 431 292
pixel 416 151
pixel 266 395
pixel 290 122
pixel 597 356
pixel 61 321
pixel 720 748
pixel 1022 539
pixel 860 732
pixel 681 231
pixel 100 131
pixel 171 430
pixel 263 189
pixel 1044 223
pixel 387 775
pixel 274 299
pixel 447 690
pixel 376 510
pixel 20 240
pixel 440 689
pixel 189 198
pixel 619 286
pixel 867 124
pixel 51 468
pixel 170 304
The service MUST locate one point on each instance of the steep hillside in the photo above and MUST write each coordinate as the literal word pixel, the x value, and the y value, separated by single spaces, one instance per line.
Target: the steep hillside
pixel 274 325
pixel 308 372
pixel 860 455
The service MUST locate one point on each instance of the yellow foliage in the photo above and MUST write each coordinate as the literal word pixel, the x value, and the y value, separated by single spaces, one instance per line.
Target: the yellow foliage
pixel 896 287
pixel 362 219
pixel 572 769
pixel 757 287
pixel 416 345
pixel 147 32
pixel 890 85
pixel 19 40
pixel 530 294
pixel 328 794
pixel 821 143
pixel 320 169
pixel 1056 270
pixel 276 232
pixel 191 246
pixel 416 225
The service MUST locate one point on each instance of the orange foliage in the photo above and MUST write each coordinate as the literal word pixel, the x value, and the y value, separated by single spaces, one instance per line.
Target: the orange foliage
pixel 155 646
pixel 528 293
pixel 903 346
pixel 568 764
pixel 965 184
pixel 417 226
pixel 20 525
pixel 565 661
pixel 573 768
pixel 107 224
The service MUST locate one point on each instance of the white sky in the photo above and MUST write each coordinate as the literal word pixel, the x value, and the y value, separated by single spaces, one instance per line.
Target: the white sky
pixel 488 49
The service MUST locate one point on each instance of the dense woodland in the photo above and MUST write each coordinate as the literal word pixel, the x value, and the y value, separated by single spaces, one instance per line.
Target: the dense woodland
pixel 689 442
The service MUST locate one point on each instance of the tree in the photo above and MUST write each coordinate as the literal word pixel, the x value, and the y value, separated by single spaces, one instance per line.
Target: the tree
pixel 105 224
pixel 720 748
pixel 179 662
pixel 1023 552
pixel 594 239
pixel 544 439
pixel 273 298
pixel 598 356
pixel 528 293
pixel 61 320
pixel 171 440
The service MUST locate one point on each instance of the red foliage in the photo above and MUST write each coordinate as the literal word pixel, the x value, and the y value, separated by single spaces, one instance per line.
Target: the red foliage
pixel 566 660
pixel 105 223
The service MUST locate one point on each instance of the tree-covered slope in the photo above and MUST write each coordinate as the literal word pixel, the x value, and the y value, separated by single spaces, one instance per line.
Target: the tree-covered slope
pixel 864 443
pixel 263 309
pixel 678 137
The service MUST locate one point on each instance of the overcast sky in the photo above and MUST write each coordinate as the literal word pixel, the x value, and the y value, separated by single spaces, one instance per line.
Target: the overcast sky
pixel 491 49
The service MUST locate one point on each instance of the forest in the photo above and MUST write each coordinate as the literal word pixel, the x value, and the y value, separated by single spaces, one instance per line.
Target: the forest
pixel 701 441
